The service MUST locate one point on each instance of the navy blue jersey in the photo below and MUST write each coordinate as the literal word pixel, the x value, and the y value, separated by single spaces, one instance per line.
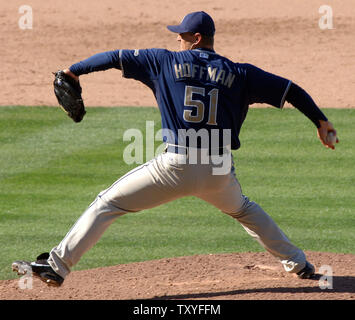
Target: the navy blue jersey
pixel 199 89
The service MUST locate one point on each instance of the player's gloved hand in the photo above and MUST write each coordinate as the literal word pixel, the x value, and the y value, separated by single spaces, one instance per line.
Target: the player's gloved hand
pixel 69 73
pixel 68 92
pixel 323 131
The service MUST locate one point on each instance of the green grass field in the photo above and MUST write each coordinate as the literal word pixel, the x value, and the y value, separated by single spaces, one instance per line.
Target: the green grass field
pixel 52 169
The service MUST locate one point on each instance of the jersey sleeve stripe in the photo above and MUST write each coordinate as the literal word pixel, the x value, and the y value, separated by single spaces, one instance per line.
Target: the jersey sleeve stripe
pixel 285 94
pixel 121 64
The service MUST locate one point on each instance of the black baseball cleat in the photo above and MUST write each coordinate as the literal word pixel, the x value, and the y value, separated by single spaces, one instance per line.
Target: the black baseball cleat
pixel 40 268
pixel 307 272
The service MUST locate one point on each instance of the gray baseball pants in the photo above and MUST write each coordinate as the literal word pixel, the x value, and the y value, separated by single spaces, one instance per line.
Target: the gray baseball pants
pixel 167 177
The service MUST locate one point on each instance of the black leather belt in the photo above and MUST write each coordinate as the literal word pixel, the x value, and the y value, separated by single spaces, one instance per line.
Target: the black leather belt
pixel 185 150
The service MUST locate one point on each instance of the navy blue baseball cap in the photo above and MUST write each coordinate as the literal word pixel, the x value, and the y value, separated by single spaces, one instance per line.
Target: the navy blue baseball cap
pixel 198 21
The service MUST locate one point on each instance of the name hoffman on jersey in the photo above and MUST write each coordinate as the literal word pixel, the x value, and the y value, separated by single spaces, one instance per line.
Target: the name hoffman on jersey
pixel 195 71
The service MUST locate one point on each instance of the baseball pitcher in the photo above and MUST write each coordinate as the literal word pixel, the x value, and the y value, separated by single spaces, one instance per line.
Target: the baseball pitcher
pixel 203 99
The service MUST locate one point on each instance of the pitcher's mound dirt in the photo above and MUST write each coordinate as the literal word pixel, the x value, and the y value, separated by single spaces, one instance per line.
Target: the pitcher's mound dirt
pixel 237 276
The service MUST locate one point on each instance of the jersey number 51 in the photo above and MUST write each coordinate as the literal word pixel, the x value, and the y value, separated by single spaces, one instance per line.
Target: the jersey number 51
pixel 200 106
